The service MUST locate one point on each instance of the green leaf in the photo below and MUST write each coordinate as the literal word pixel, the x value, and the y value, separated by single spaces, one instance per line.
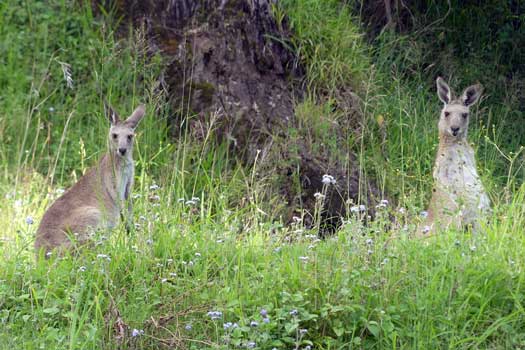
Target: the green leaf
pixel 339 331
pixel 290 327
pixel 373 328
pixel 51 310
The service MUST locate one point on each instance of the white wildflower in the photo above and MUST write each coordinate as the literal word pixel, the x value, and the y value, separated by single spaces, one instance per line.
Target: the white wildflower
pixel 319 196
pixel 103 256
pixel 328 180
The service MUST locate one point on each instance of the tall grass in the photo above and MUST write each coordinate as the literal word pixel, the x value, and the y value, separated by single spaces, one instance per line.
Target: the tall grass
pixel 206 269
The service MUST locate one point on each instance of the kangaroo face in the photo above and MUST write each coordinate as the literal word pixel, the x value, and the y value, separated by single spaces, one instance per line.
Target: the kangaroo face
pixel 121 140
pixel 454 118
pixel 121 133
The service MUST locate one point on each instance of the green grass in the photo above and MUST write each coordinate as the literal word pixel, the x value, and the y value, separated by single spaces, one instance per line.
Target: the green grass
pixel 219 252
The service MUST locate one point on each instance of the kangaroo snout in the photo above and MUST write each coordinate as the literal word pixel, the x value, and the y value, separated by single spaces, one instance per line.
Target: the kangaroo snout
pixel 122 151
pixel 455 130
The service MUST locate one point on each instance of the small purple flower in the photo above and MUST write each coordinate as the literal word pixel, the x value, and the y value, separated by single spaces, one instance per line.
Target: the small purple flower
pixel 303 331
pixel 264 313
pixel 251 345
pixel 254 324
pixel 266 320
pixel 188 327
pixel 29 220
pixel 214 315
pixel 227 325
pixel 294 312
pixel 136 332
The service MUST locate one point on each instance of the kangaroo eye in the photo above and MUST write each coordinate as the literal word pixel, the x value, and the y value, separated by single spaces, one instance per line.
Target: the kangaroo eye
pixel 464 115
pixel 130 137
pixel 447 114
pixel 114 136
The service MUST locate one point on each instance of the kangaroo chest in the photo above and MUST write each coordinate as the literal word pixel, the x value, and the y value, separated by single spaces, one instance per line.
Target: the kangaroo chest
pixel 124 181
pixel 455 173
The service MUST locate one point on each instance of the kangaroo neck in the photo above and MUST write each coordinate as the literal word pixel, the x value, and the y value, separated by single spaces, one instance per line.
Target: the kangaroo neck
pixel 447 141
pixel 117 163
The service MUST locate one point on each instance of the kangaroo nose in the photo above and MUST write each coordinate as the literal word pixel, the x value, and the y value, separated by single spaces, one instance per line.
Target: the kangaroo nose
pixel 122 151
pixel 454 131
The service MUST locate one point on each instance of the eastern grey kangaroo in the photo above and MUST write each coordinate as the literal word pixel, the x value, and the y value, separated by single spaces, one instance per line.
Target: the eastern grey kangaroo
pixel 100 197
pixel 458 198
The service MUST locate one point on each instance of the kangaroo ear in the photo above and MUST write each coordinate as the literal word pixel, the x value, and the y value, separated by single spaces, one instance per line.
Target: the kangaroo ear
pixel 111 114
pixel 136 116
pixel 443 91
pixel 471 94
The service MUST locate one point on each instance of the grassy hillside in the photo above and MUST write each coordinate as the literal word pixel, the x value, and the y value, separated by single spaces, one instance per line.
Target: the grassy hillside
pixel 206 267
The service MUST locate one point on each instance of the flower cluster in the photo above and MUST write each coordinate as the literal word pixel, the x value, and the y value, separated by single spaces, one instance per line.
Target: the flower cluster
pixel 214 315
pixel 382 205
pixel 137 332
pixel 328 180
pixel 358 208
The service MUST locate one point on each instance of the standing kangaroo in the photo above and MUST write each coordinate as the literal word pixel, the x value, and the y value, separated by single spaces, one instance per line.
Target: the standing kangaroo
pixel 99 198
pixel 458 199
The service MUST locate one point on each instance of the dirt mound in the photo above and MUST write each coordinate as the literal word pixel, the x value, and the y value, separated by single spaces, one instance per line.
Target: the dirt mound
pixel 230 69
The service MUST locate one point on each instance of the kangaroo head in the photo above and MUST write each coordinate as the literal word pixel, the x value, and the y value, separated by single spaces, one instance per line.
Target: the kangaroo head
pixel 121 133
pixel 453 122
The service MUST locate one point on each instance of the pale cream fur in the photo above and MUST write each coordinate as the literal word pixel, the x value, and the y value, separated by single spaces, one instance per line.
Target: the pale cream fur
pixel 99 198
pixel 459 199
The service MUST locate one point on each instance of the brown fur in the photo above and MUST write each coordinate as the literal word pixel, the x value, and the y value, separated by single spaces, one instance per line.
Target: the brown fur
pixel 458 199
pixel 99 198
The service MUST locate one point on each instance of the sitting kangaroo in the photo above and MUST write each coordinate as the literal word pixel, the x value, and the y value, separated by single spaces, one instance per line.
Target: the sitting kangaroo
pixel 98 199
pixel 458 199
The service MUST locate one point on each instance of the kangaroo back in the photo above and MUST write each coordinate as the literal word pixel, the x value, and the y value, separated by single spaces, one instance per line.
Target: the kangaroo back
pixel 99 198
